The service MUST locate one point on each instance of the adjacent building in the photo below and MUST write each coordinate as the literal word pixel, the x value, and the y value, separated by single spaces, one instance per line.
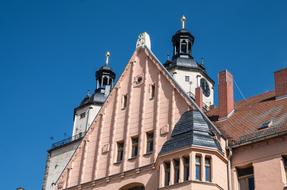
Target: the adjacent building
pixel 158 128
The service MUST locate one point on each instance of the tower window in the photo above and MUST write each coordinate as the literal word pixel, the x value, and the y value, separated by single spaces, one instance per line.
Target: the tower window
pixel 151 91
pixel 208 169
pixel 124 101
pixel 149 142
pixel 166 173
pixel 183 46
pixel 120 153
pixel 82 115
pixel 186 168
pixel 135 141
pixel 198 167
pixel 186 78
pixel 176 171
pixel 105 81
pixel 246 178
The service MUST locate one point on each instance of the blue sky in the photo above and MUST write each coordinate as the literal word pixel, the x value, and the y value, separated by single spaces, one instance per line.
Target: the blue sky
pixel 50 50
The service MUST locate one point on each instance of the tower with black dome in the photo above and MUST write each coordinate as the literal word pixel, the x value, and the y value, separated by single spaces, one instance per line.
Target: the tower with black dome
pixel 85 113
pixel 188 73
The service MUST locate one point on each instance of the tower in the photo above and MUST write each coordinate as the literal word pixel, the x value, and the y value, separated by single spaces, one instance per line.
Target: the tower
pixel 188 73
pixel 62 151
pixel 92 103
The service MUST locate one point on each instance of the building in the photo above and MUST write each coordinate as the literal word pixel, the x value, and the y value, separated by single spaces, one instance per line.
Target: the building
pixel 61 152
pixel 158 129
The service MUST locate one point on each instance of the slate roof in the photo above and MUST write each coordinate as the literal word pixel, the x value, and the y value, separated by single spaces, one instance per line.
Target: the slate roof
pixel 191 129
pixel 244 124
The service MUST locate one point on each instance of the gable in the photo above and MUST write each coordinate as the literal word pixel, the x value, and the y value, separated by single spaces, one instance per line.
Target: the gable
pixel 95 158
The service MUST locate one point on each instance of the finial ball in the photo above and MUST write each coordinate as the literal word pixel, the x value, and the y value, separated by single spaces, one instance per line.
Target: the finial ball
pixel 108 54
pixel 183 18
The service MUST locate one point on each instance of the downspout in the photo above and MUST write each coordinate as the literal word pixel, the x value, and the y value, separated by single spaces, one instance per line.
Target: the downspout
pixel 229 166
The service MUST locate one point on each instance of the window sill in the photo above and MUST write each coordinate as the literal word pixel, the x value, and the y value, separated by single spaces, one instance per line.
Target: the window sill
pixel 148 154
pixel 117 162
pixel 133 158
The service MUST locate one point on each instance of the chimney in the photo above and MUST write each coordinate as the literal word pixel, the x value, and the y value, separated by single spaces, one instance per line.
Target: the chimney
pixel 280 83
pixel 225 94
pixel 199 97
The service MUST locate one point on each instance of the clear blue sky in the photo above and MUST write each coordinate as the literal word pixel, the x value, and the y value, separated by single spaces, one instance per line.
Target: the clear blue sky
pixel 50 50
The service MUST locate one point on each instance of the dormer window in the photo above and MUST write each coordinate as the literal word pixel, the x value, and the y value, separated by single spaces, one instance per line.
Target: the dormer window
pixel 265 125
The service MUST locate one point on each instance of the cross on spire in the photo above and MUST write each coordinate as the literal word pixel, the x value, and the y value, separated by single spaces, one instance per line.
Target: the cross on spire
pixel 108 54
pixel 183 19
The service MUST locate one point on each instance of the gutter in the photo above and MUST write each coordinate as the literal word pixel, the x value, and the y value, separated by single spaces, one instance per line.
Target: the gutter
pixel 229 166
pixel 259 139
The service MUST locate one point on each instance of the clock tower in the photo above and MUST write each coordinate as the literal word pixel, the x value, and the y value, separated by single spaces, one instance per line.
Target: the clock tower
pixel 188 73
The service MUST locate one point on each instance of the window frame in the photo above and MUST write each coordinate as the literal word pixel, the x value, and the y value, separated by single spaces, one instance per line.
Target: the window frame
pixel 198 168
pixel 186 168
pixel 151 91
pixel 176 169
pixel 167 171
pixel 124 101
pixel 120 151
pixel 135 146
pixel 246 175
pixel 209 167
pixel 149 141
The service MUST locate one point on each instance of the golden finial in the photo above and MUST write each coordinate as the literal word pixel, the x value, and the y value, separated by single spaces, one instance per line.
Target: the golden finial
pixel 183 19
pixel 108 54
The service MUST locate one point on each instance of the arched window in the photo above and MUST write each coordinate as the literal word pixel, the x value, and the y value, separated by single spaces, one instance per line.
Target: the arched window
pixel 183 46
pixel 105 81
pixel 110 81
pixel 133 186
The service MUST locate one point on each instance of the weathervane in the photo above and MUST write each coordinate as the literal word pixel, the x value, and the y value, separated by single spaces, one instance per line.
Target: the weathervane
pixel 108 54
pixel 183 19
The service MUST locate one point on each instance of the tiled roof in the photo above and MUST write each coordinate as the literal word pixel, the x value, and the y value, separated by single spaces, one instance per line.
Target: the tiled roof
pixel 191 129
pixel 243 125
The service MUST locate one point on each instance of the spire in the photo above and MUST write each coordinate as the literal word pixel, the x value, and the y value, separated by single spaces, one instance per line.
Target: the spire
pixel 182 42
pixel 105 76
pixel 183 19
pixel 108 54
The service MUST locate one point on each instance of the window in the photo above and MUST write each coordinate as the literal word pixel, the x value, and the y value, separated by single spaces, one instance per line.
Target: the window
pixel 149 142
pixel 120 154
pixel 186 78
pixel 285 165
pixel 105 81
pixel 135 141
pixel 124 101
pixel 198 167
pixel 82 115
pixel 151 91
pixel 166 173
pixel 183 46
pixel 208 169
pixel 176 171
pixel 245 178
pixel 186 168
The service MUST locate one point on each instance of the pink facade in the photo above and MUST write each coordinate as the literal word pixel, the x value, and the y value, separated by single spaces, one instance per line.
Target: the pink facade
pixel 146 101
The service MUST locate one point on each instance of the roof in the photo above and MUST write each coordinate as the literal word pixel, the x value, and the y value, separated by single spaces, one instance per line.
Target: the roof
pixel 97 98
pixel 191 130
pixel 245 124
